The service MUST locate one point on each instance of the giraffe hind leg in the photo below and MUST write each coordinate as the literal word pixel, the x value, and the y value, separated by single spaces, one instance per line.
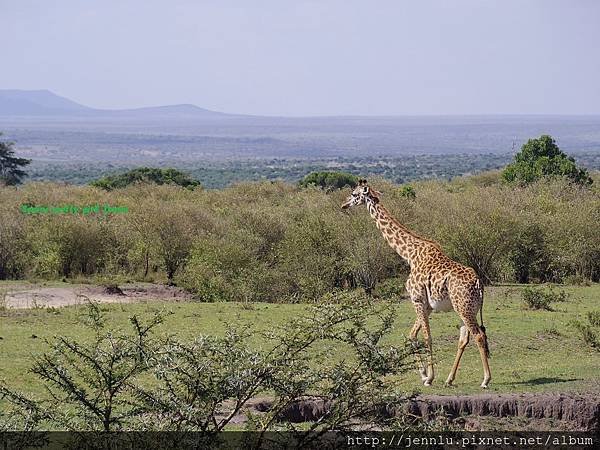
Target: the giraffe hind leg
pixel 463 341
pixel 481 339
pixel 484 351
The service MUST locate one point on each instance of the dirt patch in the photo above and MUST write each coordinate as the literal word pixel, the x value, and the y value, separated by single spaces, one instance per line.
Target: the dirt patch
pixel 470 412
pixel 56 297
pixel 113 289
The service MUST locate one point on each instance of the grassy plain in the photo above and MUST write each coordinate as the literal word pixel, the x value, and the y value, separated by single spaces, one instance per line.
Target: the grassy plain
pixel 532 351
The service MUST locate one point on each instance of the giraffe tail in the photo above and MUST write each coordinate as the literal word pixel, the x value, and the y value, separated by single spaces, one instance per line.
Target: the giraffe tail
pixel 479 287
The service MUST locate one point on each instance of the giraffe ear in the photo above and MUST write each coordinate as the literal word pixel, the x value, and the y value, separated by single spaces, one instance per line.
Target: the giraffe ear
pixel 377 193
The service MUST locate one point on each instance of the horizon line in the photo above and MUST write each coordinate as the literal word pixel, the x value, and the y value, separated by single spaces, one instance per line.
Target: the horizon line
pixel 306 116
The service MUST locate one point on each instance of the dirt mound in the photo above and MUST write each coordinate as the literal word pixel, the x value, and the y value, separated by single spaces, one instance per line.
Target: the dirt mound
pixel 582 411
pixel 112 289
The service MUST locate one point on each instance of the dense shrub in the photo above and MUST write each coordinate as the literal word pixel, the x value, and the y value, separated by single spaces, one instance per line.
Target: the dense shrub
pixel 535 298
pixel 474 225
pixel 278 242
pixel 529 256
pixel 12 244
pixel 590 329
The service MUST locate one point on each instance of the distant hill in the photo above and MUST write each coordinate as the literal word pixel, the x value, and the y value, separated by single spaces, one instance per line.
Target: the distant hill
pixel 37 103
pixel 14 102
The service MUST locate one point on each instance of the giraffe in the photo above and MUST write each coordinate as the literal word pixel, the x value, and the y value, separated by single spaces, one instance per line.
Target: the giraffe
pixel 435 283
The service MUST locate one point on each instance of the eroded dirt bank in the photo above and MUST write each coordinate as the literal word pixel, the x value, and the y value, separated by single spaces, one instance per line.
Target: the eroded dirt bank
pixel 551 411
pixel 581 411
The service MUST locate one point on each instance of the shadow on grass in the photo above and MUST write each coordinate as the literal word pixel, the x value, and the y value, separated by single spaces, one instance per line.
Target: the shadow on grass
pixel 543 380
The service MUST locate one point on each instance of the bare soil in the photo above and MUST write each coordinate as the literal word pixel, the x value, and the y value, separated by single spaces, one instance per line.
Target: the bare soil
pixel 56 297
pixel 482 412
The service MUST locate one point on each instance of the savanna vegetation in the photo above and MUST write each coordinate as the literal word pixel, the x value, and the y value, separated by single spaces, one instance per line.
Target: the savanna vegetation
pixel 533 350
pixel 269 250
pixel 278 242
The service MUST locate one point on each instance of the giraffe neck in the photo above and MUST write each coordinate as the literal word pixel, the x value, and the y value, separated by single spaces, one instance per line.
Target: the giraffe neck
pixel 400 238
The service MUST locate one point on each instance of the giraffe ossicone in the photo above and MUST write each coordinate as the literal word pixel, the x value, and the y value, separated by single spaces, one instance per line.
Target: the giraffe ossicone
pixel 435 283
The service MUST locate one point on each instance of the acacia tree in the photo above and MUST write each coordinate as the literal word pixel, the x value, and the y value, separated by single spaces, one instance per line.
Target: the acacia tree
pixel 138 381
pixel 11 173
pixel 87 381
pixel 541 158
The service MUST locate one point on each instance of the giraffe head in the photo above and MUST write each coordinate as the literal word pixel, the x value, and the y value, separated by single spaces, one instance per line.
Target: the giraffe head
pixel 360 194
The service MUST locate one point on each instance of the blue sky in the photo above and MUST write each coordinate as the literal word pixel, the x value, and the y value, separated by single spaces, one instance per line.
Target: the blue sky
pixel 325 57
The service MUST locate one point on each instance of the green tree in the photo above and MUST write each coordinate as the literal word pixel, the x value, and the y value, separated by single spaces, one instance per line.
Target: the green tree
pixel 10 166
pixel 541 158
pixel 146 175
pixel 329 180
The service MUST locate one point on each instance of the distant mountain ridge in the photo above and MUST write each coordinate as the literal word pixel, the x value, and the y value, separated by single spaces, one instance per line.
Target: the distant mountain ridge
pixel 15 102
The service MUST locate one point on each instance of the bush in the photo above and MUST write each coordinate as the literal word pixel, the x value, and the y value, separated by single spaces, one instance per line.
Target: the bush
pixel 136 381
pixel 391 289
pixel 408 192
pixel 474 225
pixel 590 330
pixel 13 245
pixel 529 255
pixel 594 318
pixel 542 299
pixel 89 382
pixel 311 254
pixel 216 268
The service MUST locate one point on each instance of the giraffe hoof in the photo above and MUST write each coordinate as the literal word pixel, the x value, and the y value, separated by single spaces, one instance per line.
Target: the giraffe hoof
pixel 427 383
pixel 484 385
pixel 448 383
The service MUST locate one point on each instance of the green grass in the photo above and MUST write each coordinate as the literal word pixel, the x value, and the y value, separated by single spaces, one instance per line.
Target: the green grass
pixel 532 351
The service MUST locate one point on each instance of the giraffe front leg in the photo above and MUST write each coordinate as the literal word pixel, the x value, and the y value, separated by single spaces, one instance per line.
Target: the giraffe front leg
pixel 430 372
pixel 418 296
pixel 415 344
